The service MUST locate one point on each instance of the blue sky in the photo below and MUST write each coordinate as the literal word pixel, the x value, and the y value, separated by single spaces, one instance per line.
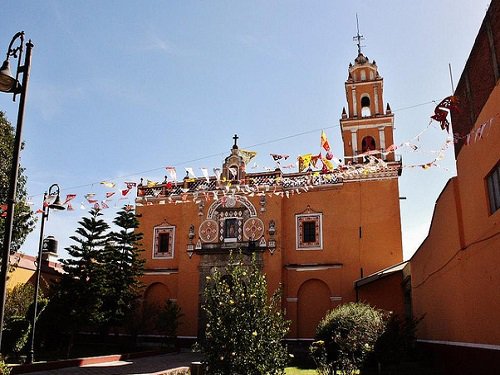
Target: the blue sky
pixel 121 89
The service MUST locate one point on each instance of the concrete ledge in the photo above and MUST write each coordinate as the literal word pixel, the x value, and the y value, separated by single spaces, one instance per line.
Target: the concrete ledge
pixel 78 362
pixel 174 371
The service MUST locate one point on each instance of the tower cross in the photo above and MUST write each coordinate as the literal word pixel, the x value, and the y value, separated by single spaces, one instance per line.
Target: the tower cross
pixel 235 140
pixel 358 37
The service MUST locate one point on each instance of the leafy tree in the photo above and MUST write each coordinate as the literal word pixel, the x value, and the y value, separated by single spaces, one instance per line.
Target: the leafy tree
pixel 123 266
pixel 24 218
pixel 244 328
pixel 18 300
pixel 19 309
pixel 397 342
pixel 168 319
pixel 345 337
pixel 17 313
pixel 80 290
pixel 167 322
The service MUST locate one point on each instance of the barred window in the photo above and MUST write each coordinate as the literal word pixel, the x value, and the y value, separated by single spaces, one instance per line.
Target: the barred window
pixel 164 239
pixel 309 231
pixel 493 182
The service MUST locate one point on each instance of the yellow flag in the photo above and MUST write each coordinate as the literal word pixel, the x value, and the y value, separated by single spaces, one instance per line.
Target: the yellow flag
pixel 327 164
pixel 247 155
pixel 108 184
pixel 304 161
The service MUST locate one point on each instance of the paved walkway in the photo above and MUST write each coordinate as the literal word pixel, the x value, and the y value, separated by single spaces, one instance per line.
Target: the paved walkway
pixel 158 364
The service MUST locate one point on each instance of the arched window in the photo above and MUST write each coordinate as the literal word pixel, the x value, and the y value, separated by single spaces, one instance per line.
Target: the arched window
pixel 363 75
pixel 365 106
pixel 368 144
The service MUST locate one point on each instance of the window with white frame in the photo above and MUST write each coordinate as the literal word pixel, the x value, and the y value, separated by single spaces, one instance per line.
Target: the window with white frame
pixel 163 242
pixel 493 182
pixel 309 231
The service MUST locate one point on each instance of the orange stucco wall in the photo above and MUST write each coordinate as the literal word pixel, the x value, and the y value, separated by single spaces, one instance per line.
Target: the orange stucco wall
pixel 23 271
pixel 455 278
pixel 386 294
pixel 356 208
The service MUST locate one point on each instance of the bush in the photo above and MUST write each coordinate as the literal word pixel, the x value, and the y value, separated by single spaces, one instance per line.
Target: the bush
pixel 345 337
pixel 16 334
pixel 397 343
pixel 4 369
pixel 168 321
pixel 244 328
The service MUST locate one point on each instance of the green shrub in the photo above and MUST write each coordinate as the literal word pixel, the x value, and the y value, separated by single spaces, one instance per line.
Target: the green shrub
pixel 345 337
pixel 397 343
pixel 4 369
pixel 244 328
pixel 168 321
pixel 15 335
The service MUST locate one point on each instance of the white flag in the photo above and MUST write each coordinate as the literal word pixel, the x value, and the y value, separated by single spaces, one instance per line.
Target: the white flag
pixel 204 171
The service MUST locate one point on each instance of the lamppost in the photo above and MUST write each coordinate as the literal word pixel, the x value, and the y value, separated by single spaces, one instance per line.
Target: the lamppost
pixel 51 200
pixel 9 84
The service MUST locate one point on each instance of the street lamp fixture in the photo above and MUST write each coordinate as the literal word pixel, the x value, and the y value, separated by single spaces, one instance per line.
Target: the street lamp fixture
pixel 51 200
pixel 9 84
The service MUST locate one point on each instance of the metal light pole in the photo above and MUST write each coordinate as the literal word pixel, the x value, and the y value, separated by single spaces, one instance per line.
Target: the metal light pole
pixel 10 84
pixel 56 204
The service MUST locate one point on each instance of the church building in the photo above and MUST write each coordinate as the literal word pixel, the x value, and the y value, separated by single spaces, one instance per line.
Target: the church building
pixel 314 232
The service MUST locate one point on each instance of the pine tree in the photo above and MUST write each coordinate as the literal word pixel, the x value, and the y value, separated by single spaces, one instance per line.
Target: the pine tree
pixel 123 266
pixel 24 218
pixel 244 328
pixel 82 286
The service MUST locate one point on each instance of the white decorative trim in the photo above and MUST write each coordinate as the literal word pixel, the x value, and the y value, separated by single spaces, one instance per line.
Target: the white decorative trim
pixel 317 217
pixel 381 136
pixel 335 298
pixel 313 267
pixel 357 125
pixel 292 299
pixel 354 103
pixel 156 232
pixel 222 202
pixel 163 273
pixel 463 344
pixel 361 83
pixel 354 141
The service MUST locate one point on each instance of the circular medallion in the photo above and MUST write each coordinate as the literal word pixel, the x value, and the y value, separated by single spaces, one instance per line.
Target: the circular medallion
pixel 230 201
pixel 209 231
pixel 253 229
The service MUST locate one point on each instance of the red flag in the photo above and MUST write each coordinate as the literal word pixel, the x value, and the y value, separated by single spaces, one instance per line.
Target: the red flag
pixel 130 185
pixel 315 158
pixel 442 109
pixel 324 141
pixel 69 197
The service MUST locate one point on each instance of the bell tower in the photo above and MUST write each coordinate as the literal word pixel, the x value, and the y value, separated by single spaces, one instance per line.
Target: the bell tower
pixel 365 126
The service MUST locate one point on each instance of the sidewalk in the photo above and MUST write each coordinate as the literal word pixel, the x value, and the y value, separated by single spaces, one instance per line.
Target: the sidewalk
pixel 154 365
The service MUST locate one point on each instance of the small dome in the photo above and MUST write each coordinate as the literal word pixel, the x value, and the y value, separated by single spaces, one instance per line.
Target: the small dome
pixel 361 59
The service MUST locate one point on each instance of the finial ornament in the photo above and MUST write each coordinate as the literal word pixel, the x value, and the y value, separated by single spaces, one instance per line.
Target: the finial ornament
pixel 235 141
pixel 358 37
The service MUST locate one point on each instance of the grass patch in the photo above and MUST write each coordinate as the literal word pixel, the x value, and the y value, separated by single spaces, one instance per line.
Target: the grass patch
pixel 299 371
